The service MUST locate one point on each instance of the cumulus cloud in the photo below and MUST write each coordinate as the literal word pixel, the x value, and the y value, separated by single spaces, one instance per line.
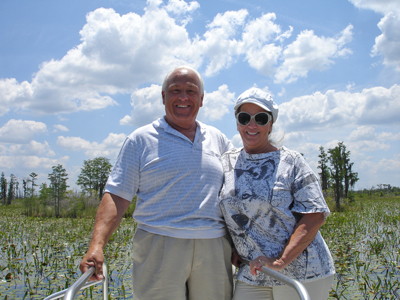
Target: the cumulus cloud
pixel 20 131
pixel 379 6
pixel 367 132
pixel 119 53
pixel 310 52
pixel 147 106
pixel 237 141
pixel 259 43
pixel 180 7
pixel 216 104
pixel 219 45
pixel 29 163
pixel 59 127
pixel 30 149
pixel 376 105
pixel 109 147
pixel 388 43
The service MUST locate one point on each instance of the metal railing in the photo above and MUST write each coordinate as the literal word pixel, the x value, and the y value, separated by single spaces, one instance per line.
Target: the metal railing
pixel 300 289
pixel 82 284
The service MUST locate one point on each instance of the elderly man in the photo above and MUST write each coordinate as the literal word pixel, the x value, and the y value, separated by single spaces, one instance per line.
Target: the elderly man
pixel 180 247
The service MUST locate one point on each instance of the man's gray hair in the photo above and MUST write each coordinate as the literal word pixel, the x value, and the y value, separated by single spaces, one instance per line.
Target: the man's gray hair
pixel 164 85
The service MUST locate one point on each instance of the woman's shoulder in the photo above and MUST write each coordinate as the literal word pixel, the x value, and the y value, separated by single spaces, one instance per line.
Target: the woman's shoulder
pixel 231 155
pixel 289 152
pixel 232 151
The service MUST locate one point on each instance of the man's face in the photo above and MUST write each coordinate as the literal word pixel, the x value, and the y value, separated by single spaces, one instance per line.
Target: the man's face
pixel 182 99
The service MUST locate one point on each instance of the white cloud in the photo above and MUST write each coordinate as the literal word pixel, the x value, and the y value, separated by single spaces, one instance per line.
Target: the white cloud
pixel 218 45
pixel 258 40
pixel 372 106
pixel 19 131
pixel 367 146
pixel 32 148
pixel 60 128
pixel 310 52
pixel 118 53
pixel 388 43
pixel 369 133
pixel 107 148
pixel 237 141
pixel 216 104
pixel 379 6
pixel 30 163
pixel 180 7
pixel 147 106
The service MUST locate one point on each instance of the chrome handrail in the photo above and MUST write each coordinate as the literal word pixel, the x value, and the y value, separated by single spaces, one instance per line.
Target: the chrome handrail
pixel 82 284
pixel 300 289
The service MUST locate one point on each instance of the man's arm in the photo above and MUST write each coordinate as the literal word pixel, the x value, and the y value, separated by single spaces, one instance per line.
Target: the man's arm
pixel 108 218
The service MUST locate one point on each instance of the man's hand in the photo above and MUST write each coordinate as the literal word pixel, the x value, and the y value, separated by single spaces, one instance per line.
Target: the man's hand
pixel 93 258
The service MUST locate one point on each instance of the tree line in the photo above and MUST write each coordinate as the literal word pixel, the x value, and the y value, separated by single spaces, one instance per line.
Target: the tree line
pixel 336 176
pixel 92 180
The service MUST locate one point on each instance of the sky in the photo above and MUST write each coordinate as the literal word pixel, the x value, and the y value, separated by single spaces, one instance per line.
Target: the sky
pixel 77 77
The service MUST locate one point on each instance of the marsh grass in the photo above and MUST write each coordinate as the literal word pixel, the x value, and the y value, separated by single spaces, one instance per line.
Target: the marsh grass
pixel 365 242
pixel 40 256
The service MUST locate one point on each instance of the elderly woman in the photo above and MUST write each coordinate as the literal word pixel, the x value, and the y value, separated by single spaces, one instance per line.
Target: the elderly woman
pixel 273 207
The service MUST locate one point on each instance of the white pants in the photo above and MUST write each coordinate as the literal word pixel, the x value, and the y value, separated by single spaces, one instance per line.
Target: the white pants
pixel 166 268
pixel 318 290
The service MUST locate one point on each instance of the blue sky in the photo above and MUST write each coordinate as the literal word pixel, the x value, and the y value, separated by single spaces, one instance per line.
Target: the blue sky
pixel 76 77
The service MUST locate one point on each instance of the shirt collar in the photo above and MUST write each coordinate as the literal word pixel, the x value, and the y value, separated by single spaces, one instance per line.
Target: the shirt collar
pixel 162 123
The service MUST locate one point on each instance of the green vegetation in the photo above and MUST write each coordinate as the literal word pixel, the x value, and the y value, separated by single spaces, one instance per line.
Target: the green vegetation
pixel 364 240
pixel 40 256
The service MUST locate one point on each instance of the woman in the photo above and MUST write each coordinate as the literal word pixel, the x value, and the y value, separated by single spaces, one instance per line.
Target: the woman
pixel 273 207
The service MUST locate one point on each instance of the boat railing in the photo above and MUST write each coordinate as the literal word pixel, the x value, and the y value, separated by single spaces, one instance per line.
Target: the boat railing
pixel 81 284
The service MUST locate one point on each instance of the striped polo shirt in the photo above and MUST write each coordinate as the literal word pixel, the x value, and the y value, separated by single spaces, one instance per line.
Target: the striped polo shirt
pixel 176 181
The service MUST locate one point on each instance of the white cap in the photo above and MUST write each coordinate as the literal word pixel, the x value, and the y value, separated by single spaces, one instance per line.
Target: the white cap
pixel 260 98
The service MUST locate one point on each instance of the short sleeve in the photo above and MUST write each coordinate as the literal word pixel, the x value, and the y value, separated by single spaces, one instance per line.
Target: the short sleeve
pixel 306 189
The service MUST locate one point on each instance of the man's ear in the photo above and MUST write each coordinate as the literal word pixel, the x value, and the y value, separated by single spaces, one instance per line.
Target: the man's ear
pixel 201 101
pixel 163 97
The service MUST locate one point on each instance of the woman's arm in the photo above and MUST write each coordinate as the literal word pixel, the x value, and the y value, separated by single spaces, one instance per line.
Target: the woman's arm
pixel 303 234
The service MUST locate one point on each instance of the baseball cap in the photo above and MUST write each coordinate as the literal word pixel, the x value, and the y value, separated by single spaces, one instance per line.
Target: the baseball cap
pixel 258 97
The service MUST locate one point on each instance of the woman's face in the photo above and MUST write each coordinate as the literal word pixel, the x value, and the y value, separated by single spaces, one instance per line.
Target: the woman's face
pixel 254 137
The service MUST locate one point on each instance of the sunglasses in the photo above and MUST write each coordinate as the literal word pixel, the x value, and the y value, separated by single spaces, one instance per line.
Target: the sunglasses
pixel 261 118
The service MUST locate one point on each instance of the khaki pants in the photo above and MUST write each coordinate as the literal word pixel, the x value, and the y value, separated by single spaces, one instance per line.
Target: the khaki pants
pixel 318 290
pixel 167 268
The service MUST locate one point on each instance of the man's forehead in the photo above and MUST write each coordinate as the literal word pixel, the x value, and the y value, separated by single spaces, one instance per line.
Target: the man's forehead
pixel 182 83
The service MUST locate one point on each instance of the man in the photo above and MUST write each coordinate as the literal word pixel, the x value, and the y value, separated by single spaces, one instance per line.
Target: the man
pixel 180 247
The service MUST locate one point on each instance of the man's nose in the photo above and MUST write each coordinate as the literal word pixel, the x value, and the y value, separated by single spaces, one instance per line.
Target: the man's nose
pixel 183 95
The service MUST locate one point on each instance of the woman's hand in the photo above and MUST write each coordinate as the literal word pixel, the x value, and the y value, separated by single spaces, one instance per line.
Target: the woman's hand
pixel 235 259
pixel 303 234
pixel 263 261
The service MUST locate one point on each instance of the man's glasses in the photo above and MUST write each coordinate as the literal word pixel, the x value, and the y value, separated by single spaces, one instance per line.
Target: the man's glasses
pixel 261 118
